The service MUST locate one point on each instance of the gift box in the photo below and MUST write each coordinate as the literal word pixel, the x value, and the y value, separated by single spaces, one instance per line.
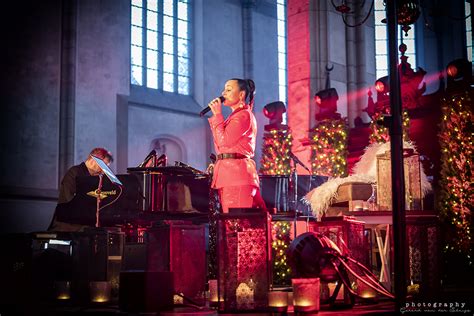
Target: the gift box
pixel 244 267
pixel 423 238
pixel 347 233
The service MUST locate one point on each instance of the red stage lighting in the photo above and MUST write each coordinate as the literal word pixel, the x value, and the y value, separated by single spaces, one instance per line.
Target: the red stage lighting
pixel 379 86
pixel 267 113
pixel 452 70
pixel 382 85
pixel 274 110
pixel 326 100
pixel 459 75
pixel 318 100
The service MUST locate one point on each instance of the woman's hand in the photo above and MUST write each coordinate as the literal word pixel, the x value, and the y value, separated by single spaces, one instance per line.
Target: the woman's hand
pixel 210 169
pixel 216 106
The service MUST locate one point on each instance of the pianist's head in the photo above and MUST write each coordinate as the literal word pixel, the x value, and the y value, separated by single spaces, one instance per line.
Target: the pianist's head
pixel 101 153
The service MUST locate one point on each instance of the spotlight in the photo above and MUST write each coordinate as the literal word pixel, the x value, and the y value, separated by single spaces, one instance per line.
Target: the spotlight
pixel 318 100
pixel 326 100
pixel 274 110
pixel 459 68
pixel 459 73
pixel 452 70
pixel 382 85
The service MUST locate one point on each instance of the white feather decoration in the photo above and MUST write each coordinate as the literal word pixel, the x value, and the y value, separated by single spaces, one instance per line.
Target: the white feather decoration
pixel 365 171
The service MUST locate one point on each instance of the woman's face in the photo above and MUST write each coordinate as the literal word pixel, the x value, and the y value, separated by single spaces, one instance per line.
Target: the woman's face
pixel 232 93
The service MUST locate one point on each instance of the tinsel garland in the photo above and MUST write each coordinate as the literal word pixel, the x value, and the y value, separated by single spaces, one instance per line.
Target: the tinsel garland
pixel 329 148
pixel 275 158
pixel 456 196
pixel 380 134
pixel 281 241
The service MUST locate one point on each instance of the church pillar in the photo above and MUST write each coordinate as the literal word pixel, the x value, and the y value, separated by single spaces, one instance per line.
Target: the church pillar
pixel 307 58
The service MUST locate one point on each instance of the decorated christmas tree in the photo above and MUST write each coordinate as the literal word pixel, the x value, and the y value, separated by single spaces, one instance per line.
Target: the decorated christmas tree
pixel 380 134
pixel 275 152
pixel 456 196
pixel 281 241
pixel 329 148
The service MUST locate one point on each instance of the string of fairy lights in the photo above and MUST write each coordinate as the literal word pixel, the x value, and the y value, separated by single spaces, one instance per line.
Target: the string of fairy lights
pixel 329 148
pixel 275 152
pixel 380 134
pixel 329 156
pixel 281 241
pixel 456 196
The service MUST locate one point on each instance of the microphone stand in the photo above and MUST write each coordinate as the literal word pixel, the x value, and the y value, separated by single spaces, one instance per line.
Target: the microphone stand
pixel 294 180
pixel 98 191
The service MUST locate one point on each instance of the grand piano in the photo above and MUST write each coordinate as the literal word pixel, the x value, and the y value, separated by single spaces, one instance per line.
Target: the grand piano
pixel 148 193
pixel 173 189
pixel 118 204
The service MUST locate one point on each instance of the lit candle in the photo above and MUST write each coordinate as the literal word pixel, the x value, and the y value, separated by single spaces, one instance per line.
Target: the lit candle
pixel 278 301
pixel 290 298
pixel 340 294
pixel 365 206
pixel 99 291
pixel 306 294
pixel 245 296
pixel 366 291
pixel 63 290
pixel 213 292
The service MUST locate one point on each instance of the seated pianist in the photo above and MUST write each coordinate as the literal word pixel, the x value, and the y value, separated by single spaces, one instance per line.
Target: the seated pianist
pixel 67 189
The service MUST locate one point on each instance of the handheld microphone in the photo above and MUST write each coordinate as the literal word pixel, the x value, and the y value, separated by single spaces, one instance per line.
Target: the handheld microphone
pixel 207 108
pixel 151 154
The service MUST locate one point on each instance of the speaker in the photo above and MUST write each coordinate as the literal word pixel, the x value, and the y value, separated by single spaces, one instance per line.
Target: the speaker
pixel 311 255
pixel 146 291
pixel 179 247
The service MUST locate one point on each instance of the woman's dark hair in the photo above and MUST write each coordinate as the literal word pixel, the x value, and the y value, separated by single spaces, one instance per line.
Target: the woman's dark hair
pixel 248 86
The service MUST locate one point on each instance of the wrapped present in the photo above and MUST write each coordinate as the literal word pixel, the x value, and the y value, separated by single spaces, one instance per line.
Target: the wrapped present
pixel 243 261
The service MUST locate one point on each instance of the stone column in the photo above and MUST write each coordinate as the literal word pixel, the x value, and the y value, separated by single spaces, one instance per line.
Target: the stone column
pixel 67 87
pixel 307 57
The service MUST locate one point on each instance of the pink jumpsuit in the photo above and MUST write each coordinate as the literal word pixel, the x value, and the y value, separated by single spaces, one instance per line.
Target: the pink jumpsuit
pixel 236 179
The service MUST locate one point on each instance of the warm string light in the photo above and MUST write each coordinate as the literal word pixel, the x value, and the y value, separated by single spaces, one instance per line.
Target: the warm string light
pixel 456 194
pixel 275 152
pixel 380 134
pixel 281 241
pixel 329 149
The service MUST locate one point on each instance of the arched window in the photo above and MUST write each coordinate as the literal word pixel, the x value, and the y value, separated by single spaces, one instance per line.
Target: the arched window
pixel 467 12
pixel 160 45
pixel 282 55
pixel 381 41
pixel 172 147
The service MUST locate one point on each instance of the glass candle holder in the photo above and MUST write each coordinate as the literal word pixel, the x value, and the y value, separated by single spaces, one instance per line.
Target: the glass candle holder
pixel 306 294
pixel 100 291
pixel 366 291
pixel 278 301
pixel 332 288
pixel 62 290
pixel 290 298
pixel 213 294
